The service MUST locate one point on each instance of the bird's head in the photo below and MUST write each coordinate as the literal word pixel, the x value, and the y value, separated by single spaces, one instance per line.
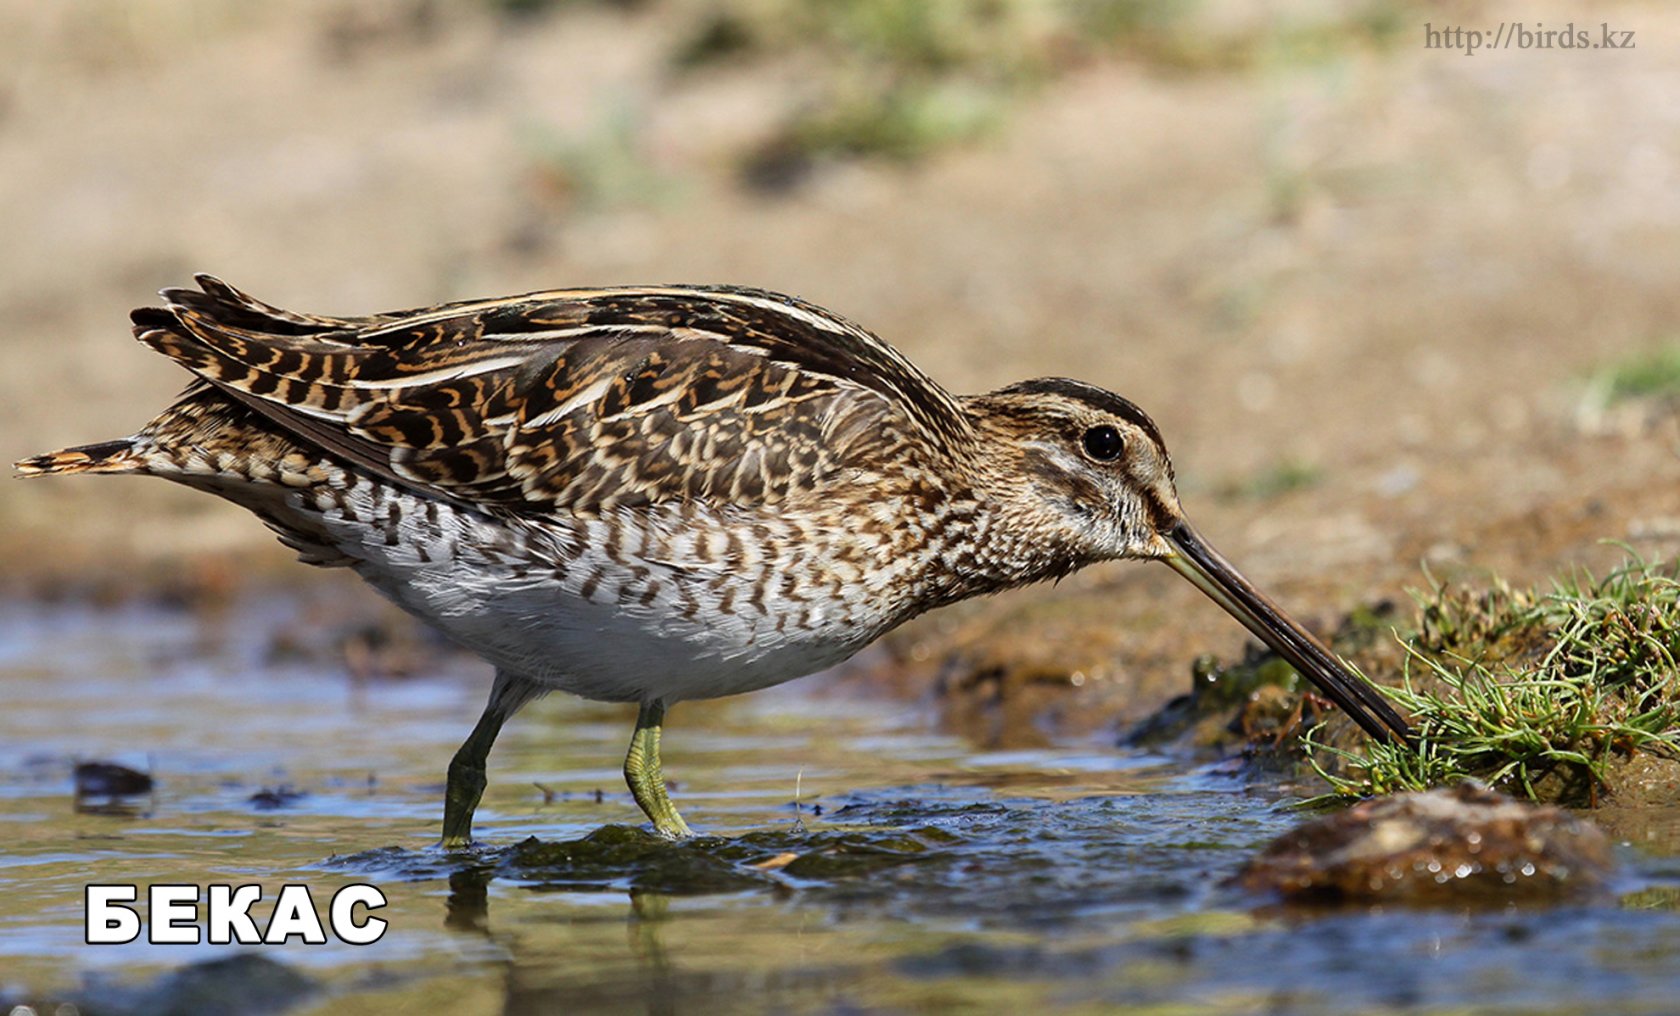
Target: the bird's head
pixel 1088 465
pixel 1087 473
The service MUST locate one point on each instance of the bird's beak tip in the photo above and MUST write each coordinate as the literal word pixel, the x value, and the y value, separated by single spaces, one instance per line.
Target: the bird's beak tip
pixel 1205 568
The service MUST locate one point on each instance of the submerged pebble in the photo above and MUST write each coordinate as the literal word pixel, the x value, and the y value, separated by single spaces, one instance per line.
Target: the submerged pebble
pixel 247 984
pixel 273 798
pixel 110 779
pixel 1465 844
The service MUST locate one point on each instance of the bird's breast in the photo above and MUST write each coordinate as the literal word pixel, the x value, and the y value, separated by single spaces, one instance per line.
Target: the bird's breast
pixel 672 601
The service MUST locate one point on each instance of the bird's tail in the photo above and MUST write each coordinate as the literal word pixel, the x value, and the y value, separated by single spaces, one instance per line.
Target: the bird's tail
pixel 119 456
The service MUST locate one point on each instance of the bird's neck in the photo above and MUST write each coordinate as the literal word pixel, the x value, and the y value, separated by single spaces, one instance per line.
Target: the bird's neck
pixel 990 544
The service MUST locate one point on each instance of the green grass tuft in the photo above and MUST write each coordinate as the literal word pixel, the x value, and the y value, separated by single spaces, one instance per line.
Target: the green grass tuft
pixel 1537 694
pixel 898 79
pixel 1655 373
pixel 1282 476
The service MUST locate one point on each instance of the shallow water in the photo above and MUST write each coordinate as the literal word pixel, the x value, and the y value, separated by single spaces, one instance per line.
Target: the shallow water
pixel 856 861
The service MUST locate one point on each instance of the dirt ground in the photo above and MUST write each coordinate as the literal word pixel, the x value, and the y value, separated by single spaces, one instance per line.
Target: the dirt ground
pixel 1364 295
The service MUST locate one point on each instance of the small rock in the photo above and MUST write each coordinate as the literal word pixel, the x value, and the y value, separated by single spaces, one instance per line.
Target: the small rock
pixel 110 779
pixel 246 983
pixel 275 798
pixel 1466 844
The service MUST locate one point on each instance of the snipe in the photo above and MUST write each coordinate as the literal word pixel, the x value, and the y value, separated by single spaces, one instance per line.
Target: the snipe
pixel 650 494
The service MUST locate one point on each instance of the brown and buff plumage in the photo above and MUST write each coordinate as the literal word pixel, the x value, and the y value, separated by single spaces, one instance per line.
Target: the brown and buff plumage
pixel 655 493
pixel 575 400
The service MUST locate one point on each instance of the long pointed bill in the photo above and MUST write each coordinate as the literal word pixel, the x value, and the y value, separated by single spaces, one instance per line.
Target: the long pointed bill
pixel 1208 570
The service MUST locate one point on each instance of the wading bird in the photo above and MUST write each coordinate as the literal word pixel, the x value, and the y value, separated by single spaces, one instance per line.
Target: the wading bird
pixel 651 494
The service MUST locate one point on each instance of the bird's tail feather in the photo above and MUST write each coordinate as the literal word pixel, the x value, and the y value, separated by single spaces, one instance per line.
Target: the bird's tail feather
pixel 117 456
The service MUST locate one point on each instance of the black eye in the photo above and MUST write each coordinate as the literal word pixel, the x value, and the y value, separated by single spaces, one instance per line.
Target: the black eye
pixel 1104 443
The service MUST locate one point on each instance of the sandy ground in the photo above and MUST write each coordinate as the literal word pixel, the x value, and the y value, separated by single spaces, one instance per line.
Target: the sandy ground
pixel 1398 269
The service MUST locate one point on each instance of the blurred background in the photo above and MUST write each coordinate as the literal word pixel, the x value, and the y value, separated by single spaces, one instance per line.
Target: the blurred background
pixel 1390 302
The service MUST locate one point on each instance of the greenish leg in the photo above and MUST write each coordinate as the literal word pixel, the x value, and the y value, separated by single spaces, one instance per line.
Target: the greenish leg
pixel 467 779
pixel 466 770
pixel 647 778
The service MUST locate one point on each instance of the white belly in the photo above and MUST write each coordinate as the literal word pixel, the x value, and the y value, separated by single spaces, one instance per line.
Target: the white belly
pixel 653 613
pixel 614 653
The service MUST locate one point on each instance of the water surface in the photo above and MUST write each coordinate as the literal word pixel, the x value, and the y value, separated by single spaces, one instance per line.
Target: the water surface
pixel 856 860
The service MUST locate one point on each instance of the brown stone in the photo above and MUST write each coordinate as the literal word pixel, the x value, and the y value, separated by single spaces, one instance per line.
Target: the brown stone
pixel 1465 844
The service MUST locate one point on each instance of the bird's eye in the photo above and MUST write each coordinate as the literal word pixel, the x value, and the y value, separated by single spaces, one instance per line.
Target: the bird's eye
pixel 1104 443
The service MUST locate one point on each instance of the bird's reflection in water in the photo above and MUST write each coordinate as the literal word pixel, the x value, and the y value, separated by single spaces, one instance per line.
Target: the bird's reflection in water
pixel 534 982
pixel 468 907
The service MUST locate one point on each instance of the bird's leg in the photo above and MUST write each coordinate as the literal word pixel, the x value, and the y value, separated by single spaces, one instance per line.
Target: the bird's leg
pixel 467 779
pixel 466 770
pixel 647 778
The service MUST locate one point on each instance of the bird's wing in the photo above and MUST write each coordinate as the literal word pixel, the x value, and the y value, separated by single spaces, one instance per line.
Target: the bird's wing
pixel 573 399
